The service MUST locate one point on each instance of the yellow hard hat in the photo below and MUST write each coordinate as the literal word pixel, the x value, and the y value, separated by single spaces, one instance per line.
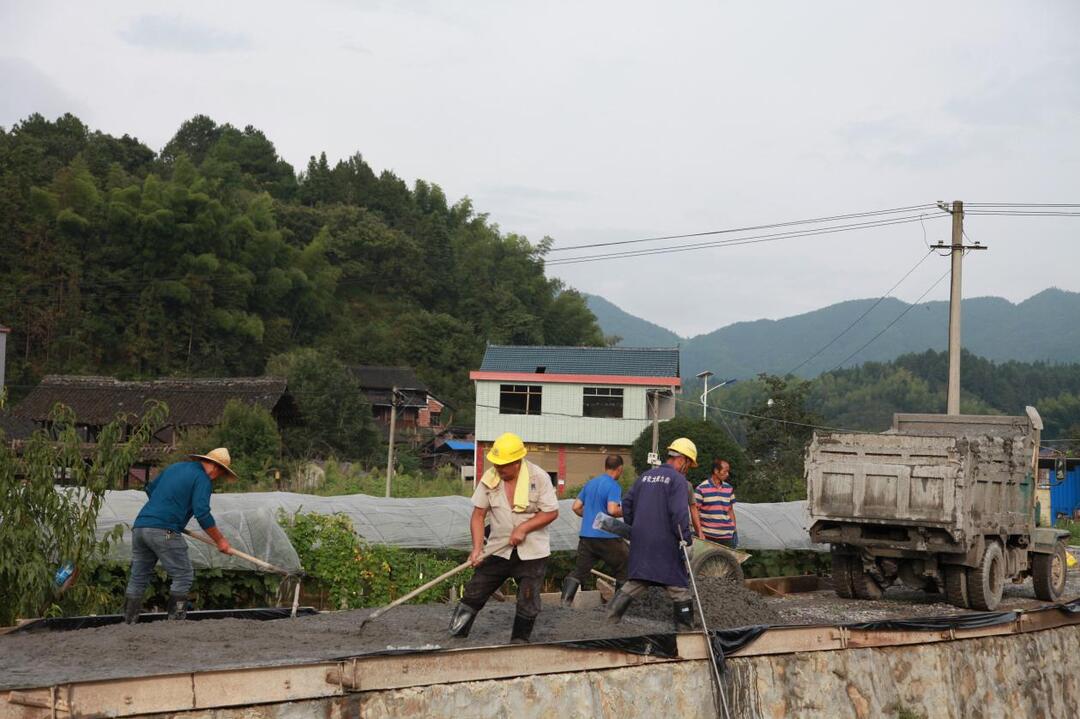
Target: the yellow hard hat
pixel 686 448
pixel 506 449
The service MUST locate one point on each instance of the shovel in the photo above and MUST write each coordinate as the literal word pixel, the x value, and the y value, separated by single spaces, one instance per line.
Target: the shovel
pixel 246 557
pixel 424 587
pixel 719 683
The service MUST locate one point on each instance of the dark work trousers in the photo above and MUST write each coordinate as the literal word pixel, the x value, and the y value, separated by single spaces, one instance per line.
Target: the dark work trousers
pixel 493 571
pixel 615 553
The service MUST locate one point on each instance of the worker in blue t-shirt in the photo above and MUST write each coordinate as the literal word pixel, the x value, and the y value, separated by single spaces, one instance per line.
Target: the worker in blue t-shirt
pixel 180 492
pixel 602 493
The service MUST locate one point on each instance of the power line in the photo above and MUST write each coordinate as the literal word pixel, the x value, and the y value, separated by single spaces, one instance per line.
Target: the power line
pixel 898 318
pixel 749 228
pixel 1020 204
pixel 777 420
pixel 1020 213
pixel 774 237
pixel 862 316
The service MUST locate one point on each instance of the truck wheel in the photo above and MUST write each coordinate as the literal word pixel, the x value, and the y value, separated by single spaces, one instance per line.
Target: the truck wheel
pixel 956 586
pixel 842 566
pixel 716 562
pixel 986 582
pixel 1048 574
pixel 865 586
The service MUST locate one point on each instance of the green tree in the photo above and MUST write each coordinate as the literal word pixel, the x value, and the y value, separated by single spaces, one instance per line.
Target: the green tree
pixel 711 440
pixel 335 417
pixel 42 527
pixel 251 434
pixel 777 435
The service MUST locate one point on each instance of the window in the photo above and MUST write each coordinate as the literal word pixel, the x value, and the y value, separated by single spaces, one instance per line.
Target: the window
pixel 519 399
pixel 603 402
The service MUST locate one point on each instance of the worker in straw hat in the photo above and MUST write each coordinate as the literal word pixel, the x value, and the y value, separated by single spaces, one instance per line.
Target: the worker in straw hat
pixel 518 499
pixel 180 492
pixel 657 508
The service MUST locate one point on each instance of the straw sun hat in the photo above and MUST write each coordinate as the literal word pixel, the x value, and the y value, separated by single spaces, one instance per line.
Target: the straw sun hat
pixel 219 456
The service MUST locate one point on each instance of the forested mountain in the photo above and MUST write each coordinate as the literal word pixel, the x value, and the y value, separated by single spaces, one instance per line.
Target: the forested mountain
pixel 630 331
pixel 865 397
pixel 1042 328
pixel 212 255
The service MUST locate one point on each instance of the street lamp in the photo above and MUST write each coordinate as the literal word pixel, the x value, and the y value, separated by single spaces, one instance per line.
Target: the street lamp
pixel 704 376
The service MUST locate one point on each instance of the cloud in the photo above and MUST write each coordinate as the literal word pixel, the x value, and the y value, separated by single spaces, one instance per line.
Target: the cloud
pixel 1021 99
pixel 355 47
pixel 178 34
pixel 529 194
pixel 28 90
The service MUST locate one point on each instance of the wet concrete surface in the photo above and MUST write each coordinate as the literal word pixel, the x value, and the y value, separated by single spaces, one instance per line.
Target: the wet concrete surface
pixel 44 659
pixel 725 603
pixel 898 602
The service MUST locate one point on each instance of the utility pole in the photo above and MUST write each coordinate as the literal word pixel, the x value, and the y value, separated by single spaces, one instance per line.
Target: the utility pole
pixel 390 449
pixel 654 456
pixel 957 249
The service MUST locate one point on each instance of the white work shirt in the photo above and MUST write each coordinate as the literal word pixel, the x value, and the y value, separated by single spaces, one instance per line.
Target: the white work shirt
pixel 503 519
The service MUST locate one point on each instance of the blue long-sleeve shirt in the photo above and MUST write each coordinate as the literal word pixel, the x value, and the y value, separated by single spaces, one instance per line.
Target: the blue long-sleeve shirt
pixel 178 493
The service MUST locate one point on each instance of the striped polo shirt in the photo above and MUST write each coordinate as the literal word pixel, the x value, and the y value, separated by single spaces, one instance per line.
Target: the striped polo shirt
pixel 714 505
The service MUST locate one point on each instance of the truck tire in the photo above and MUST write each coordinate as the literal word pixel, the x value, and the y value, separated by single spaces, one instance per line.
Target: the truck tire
pixel 864 585
pixel 956 585
pixel 842 568
pixel 986 582
pixel 716 562
pixel 1048 573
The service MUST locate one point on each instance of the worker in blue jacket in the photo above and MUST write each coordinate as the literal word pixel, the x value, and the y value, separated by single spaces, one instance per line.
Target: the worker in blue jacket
pixel 657 508
pixel 180 492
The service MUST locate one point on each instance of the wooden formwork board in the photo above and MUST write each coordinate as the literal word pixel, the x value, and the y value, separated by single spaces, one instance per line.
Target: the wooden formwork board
pixel 205 690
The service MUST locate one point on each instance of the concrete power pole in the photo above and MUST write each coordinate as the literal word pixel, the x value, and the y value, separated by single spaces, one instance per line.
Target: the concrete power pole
pixel 654 456
pixel 390 449
pixel 956 249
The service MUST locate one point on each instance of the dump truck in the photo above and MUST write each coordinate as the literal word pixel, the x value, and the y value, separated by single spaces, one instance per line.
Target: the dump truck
pixel 942 503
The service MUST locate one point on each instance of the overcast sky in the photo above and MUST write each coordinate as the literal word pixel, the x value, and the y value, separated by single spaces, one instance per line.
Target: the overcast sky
pixel 604 121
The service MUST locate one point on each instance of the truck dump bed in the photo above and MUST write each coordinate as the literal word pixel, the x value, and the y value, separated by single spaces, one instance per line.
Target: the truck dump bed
pixel 956 476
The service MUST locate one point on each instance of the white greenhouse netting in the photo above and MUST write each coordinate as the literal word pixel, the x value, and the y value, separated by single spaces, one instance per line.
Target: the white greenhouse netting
pixel 249 522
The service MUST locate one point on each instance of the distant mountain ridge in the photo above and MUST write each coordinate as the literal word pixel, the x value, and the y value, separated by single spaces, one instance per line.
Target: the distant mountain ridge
pixel 632 331
pixel 1044 327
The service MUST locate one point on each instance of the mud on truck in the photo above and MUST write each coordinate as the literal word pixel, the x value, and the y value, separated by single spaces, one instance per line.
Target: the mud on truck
pixel 943 503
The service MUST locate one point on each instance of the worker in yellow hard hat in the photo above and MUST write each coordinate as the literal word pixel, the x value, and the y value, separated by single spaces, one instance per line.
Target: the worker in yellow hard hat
pixel 518 500
pixel 657 508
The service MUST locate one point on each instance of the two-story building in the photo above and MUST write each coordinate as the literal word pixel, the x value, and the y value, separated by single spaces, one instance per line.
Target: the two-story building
pixel 572 405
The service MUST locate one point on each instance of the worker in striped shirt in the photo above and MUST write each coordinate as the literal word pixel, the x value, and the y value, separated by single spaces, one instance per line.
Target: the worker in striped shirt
pixel 715 500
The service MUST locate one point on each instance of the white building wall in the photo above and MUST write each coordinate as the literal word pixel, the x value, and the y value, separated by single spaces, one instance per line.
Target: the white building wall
pixel 561 421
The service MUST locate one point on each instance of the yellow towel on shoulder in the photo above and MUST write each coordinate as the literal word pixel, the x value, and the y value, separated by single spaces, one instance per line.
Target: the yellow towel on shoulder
pixel 521 490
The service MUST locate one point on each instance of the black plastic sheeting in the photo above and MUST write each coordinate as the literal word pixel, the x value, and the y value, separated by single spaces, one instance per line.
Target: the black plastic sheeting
pixel 728 641
pixel 66 624
pixel 656 645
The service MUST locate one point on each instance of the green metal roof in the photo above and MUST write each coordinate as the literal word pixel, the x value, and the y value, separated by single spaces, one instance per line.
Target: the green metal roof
pixel 618 361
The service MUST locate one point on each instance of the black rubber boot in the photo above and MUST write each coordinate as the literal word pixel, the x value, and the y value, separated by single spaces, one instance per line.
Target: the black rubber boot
pixel 684 615
pixel 570 586
pixel 177 606
pixel 132 607
pixel 461 620
pixel 523 627
pixel 617 607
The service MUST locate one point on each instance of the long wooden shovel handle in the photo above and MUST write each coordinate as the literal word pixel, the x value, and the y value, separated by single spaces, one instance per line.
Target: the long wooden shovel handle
pixel 242 555
pixel 605 577
pixel 423 588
